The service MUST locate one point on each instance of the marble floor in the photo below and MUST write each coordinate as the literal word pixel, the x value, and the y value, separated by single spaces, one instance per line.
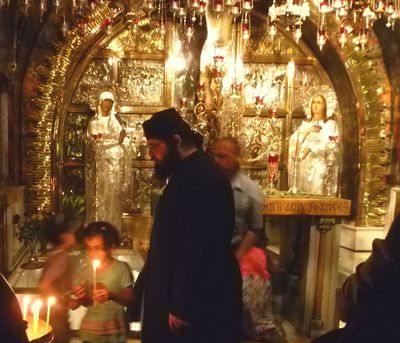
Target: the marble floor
pixel 291 336
pixel 74 340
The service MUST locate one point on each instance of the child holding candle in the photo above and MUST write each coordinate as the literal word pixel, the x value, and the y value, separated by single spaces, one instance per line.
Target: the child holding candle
pixel 56 279
pixel 105 320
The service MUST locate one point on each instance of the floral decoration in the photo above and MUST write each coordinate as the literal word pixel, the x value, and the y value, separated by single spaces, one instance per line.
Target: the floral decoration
pixel 30 228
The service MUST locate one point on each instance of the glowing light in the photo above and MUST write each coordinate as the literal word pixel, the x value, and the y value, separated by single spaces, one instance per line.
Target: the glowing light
pixel 25 303
pixel 95 264
pixel 50 302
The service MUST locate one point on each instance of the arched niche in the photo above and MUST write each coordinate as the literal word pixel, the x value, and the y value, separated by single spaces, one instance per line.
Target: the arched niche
pixel 350 73
pixel 134 64
pixel 49 89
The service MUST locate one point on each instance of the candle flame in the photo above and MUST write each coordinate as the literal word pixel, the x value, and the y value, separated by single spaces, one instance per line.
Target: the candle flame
pixel 291 69
pixel 51 301
pixel 38 303
pixel 26 299
pixel 25 303
pixel 96 264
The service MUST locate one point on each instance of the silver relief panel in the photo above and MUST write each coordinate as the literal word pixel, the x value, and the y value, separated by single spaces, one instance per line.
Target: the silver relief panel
pixel 142 82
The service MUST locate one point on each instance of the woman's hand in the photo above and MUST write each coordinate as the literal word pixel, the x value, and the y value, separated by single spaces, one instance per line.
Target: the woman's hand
pixel 315 128
pixel 306 151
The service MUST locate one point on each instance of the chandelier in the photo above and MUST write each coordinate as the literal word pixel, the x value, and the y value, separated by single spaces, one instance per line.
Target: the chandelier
pixel 68 12
pixel 188 12
pixel 185 13
pixel 42 6
pixel 291 14
pixel 354 18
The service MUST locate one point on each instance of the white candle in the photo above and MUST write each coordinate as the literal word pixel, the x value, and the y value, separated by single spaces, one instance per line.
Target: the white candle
pixel 25 303
pixel 95 265
pixel 37 305
pixel 33 310
pixel 50 302
pixel 291 69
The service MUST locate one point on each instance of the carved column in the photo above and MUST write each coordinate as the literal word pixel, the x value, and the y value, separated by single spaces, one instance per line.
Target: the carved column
pixel 323 226
pixel 323 211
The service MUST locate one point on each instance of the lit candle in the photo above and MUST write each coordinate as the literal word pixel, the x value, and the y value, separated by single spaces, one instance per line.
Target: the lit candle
pixel 236 10
pixel 218 61
pixel 291 69
pixel 324 7
pixel 25 303
pixel 200 86
pixel 37 305
pixel 245 31
pixel 33 310
pixel 248 5
pixel 175 6
pixel 181 12
pixel 203 5
pixel 195 4
pixel 183 102
pixel 273 158
pixel 50 302
pixel 218 6
pixel 95 265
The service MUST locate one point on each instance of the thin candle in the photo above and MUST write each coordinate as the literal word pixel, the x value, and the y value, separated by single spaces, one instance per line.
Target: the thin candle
pixel 95 265
pixel 25 303
pixel 291 70
pixel 37 305
pixel 50 302
pixel 33 310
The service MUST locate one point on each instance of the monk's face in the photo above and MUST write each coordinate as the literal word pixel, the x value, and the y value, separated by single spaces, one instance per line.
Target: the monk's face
pixel 157 149
pixel 165 156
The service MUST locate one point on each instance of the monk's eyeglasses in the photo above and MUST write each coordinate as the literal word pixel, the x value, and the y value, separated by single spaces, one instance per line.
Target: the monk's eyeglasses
pixel 153 147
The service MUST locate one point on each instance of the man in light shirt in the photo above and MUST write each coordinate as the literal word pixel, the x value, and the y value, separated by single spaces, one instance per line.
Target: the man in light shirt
pixel 249 198
pixel 257 320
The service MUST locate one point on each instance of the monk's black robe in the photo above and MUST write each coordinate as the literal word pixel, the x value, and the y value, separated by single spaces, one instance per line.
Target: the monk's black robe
pixel 191 271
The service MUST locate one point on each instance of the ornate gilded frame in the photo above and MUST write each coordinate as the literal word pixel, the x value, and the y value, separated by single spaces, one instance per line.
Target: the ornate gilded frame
pixel 364 69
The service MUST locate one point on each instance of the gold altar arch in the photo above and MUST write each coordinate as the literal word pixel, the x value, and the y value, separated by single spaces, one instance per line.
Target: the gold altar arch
pixel 123 51
pixel 61 96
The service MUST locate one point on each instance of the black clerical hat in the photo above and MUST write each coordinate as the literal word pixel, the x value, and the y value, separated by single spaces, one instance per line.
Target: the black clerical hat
pixel 165 124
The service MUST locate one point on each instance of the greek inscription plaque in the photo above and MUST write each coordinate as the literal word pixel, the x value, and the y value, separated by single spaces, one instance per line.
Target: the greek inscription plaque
pixel 316 206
